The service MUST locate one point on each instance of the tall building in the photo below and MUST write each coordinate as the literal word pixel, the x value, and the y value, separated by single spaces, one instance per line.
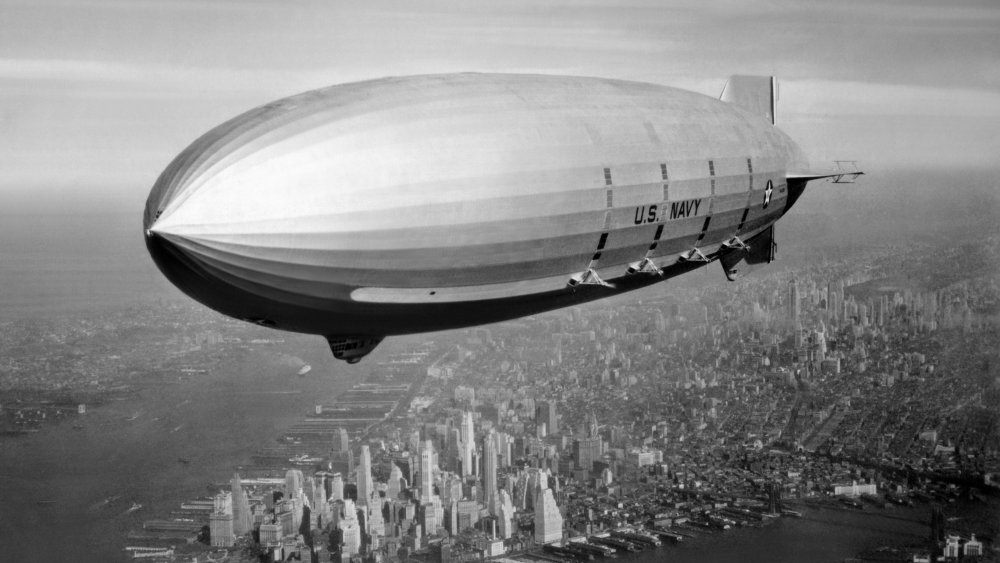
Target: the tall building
pixel 468 444
pixel 490 471
pixel 793 301
pixel 396 482
pixel 505 447
pixel 350 529
pixel 468 514
pixel 365 485
pixel 437 507
pixel 592 426
pixel 220 522
pixel 505 515
pixel 545 412
pixel 833 300
pixel 428 516
pixel 548 520
pixel 973 547
pixel 451 515
pixel 427 472
pixel 270 534
pixel 587 451
pixel 223 503
pixel 320 506
pixel 242 518
pixel 337 487
pixel 293 483
pixel 375 521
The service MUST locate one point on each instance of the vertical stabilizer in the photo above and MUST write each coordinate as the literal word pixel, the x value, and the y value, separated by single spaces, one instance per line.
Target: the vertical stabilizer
pixel 756 94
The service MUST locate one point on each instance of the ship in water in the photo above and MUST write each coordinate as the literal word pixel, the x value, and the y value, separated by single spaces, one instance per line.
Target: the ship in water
pixel 103 503
pixel 304 370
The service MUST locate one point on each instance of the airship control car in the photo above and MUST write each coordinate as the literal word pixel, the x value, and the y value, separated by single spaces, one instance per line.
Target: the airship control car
pixel 423 203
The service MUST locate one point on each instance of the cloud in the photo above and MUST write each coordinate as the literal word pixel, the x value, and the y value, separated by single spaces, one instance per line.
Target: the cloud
pixel 829 97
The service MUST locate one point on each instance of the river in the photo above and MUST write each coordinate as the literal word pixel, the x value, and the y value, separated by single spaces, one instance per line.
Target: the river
pixel 54 482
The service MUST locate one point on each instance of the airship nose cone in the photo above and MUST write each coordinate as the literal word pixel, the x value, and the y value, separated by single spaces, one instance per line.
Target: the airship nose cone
pixel 186 272
pixel 171 260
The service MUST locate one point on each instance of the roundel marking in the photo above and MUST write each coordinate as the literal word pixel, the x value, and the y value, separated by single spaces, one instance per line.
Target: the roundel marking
pixel 767 193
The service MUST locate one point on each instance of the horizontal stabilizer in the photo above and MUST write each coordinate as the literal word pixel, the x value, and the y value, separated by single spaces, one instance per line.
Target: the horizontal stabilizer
pixel 756 94
pixel 845 173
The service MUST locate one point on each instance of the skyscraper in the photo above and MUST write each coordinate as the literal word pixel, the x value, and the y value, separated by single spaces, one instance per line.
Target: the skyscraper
pixel 452 517
pixel 220 522
pixel 545 412
pixel 586 451
pixel 793 301
pixel 242 519
pixel 592 426
pixel 427 472
pixel 548 520
pixel 293 483
pixel 337 487
pixel 504 446
pixel 320 507
pixel 833 300
pixel 376 523
pixel 505 515
pixel 490 471
pixel 351 530
pixel 365 485
pixel 396 482
pixel 468 444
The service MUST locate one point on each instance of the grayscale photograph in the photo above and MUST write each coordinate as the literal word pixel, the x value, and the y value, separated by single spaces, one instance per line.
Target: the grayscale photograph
pixel 522 282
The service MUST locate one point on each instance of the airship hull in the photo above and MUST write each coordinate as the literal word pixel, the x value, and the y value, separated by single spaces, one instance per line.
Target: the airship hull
pixel 424 203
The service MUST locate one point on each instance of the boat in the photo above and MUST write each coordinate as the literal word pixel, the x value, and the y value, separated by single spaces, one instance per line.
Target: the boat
pixel 719 522
pixel 568 552
pixel 101 504
pixel 619 544
pixel 304 370
pixel 667 535
pixel 635 537
pixel 851 502
pixel 593 548
pixel 897 498
pixel 135 506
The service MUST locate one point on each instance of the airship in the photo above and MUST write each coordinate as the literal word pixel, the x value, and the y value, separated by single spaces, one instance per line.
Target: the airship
pixel 423 203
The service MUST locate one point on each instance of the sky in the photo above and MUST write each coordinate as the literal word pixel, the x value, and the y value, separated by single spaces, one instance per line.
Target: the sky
pixel 97 96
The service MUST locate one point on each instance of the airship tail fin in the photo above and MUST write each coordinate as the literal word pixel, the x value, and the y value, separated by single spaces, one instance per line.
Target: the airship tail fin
pixel 756 94
pixel 845 172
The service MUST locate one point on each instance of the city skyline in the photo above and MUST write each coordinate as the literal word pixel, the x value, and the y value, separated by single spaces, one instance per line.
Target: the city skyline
pixel 860 326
